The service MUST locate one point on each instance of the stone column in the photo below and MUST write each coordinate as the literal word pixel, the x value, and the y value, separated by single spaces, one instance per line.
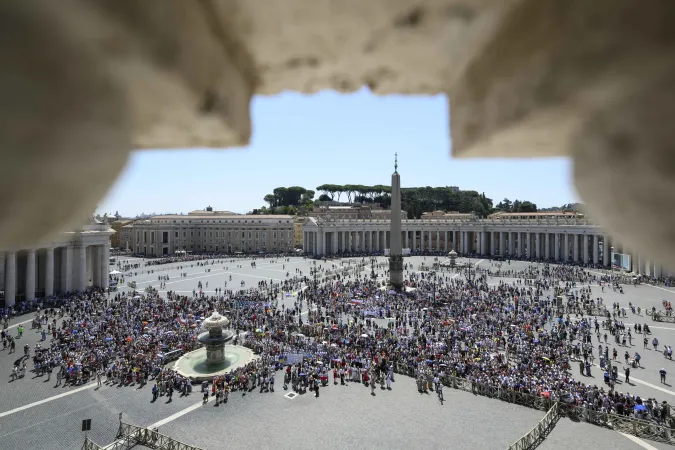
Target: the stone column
pixel 30 275
pixel 105 271
pixel 49 272
pixel 96 254
pixel 502 243
pixel 445 242
pixel 596 245
pixel 537 246
pixel 66 269
pixel 528 243
pixel 511 247
pixel 566 248
pixel 584 242
pixel 454 241
pixel 575 250
pixel 81 265
pixel 547 243
pixel 334 249
pixel 10 279
pixel 556 247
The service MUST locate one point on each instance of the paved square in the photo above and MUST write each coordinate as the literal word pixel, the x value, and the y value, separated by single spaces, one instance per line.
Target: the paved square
pixel 36 415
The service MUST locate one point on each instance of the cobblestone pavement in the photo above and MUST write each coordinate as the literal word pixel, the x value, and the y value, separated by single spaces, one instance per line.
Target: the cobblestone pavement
pixel 341 416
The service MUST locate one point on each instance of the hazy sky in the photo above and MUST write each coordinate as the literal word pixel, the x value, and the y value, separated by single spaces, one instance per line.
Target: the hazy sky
pixel 309 140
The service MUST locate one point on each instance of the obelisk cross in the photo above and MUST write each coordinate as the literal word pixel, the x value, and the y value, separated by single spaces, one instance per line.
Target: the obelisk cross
pixel 395 162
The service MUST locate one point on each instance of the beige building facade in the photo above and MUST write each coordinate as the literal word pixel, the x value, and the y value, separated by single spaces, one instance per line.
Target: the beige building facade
pixel 212 231
pixel 116 240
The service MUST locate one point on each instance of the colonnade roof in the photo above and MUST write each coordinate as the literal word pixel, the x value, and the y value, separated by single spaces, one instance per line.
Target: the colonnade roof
pixel 457 222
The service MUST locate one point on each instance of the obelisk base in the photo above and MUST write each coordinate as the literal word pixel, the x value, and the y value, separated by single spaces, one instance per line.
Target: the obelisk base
pixel 396 272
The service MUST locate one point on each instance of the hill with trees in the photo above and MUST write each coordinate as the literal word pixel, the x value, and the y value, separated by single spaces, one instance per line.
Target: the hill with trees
pixel 416 201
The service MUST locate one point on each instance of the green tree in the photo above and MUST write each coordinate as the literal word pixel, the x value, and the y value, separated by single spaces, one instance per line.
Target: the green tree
pixel 349 189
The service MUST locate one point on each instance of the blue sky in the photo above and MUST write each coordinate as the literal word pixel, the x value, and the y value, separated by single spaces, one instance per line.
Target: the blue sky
pixel 309 140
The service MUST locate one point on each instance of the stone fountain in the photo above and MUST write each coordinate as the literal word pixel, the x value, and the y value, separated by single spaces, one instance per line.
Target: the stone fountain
pixel 217 356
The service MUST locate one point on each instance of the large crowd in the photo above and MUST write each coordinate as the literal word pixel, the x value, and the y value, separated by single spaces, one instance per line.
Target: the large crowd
pixel 499 335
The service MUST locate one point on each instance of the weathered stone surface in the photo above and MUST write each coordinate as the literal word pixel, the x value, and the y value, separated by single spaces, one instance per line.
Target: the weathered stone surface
pixel 550 68
pixel 624 168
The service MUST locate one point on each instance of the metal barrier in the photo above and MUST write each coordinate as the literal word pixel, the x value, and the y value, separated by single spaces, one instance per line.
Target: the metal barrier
pixel 663 318
pixel 537 434
pixel 625 424
pixel 129 436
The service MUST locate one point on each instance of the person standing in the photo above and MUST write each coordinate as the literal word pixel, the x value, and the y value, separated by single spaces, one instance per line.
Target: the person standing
pixel 662 372
pixel 626 371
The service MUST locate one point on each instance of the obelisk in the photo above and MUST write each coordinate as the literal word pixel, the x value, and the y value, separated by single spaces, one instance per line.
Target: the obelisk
pixel 395 250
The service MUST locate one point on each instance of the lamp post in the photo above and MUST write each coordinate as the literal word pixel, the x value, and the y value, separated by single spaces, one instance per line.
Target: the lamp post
pixel 468 274
pixel 372 268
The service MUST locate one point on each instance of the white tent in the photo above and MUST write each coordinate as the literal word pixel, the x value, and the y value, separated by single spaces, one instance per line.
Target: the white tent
pixel 115 272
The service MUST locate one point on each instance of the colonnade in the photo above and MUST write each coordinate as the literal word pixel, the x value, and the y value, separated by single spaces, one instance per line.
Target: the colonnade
pixel 42 272
pixel 565 245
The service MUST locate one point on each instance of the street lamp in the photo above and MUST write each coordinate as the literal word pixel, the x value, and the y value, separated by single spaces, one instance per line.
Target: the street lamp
pixel 372 268
pixel 469 274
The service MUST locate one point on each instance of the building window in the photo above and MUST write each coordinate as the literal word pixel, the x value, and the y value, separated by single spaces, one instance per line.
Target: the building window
pixel 256 235
pixel 184 234
pixel 243 235
pixel 274 235
pixel 176 235
pixel 249 235
pixel 192 234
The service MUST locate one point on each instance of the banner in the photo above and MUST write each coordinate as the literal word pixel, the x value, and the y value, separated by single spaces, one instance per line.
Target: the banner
pixel 621 261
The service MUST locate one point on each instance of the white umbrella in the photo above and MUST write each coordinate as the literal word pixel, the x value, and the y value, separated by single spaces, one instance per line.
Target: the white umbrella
pixel 115 272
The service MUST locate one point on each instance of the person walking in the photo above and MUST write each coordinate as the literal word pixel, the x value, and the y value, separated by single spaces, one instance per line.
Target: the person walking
pixel 626 371
pixel 662 372
pixel 439 389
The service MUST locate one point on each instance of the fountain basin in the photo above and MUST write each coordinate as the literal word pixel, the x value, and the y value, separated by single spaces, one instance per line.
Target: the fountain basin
pixel 196 366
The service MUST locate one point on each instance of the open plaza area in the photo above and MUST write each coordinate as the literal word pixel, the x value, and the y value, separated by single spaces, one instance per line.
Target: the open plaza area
pixel 41 413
